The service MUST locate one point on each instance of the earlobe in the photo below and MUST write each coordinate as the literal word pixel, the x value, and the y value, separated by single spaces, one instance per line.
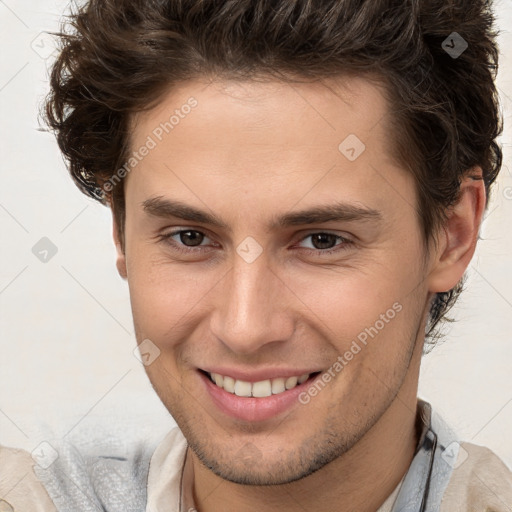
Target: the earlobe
pixel 121 262
pixel 120 255
pixel 460 235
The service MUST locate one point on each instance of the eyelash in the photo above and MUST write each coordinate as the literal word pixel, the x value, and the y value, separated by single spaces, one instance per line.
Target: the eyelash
pixel 167 238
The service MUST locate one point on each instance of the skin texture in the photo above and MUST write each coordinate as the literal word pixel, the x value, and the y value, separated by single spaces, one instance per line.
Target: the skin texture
pixel 249 153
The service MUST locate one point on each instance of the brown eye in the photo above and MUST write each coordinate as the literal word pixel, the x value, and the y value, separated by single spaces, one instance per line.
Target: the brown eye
pixel 191 238
pixel 326 243
pixel 186 240
pixel 324 240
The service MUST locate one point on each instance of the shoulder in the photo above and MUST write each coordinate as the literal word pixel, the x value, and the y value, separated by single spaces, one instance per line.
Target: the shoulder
pixel 93 474
pixel 90 473
pixel 20 488
pixel 480 481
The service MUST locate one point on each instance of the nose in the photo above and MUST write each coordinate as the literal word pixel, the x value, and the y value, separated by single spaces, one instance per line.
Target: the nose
pixel 253 308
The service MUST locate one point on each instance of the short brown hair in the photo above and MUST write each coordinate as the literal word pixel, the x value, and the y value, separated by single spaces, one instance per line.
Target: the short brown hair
pixel 118 57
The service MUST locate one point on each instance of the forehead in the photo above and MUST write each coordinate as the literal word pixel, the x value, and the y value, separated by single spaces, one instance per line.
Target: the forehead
pixel 262 109
pixel 265 138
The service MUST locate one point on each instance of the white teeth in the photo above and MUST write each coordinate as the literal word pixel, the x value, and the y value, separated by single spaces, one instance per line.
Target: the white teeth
pixel 303 378
pixel 229 384
pixel 277 386
pixel 242 388
pixel 261 389
pixel 290 383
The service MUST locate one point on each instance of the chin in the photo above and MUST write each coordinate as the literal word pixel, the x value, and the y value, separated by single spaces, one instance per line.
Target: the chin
pixel 249 466
pixel 260 474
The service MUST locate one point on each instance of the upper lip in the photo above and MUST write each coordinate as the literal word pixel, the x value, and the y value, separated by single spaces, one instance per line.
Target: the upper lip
pixel 259 374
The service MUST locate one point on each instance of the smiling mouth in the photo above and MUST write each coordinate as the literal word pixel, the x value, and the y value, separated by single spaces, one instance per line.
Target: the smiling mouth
pixel 261 389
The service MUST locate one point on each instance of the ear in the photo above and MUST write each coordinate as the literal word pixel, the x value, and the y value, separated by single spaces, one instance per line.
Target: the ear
pixel 458 237
pixel 120 258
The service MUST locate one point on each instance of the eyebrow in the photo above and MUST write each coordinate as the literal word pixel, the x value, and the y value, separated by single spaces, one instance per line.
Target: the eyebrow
pixel 338 212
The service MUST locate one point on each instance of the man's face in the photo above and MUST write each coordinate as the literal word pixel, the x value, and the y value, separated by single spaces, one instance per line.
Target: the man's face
pixel 263 295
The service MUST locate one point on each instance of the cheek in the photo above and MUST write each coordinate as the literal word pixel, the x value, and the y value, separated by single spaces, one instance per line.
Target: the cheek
pixel 350 298
pixel 369 311
pixel 164 295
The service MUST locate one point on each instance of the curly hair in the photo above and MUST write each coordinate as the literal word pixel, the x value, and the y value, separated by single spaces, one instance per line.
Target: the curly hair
pixel 119 57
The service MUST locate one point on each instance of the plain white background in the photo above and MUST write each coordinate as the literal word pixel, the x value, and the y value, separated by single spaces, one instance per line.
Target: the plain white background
pixel 66 334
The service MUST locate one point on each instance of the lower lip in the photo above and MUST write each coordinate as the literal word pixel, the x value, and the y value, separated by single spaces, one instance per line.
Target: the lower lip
pixel 254 409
